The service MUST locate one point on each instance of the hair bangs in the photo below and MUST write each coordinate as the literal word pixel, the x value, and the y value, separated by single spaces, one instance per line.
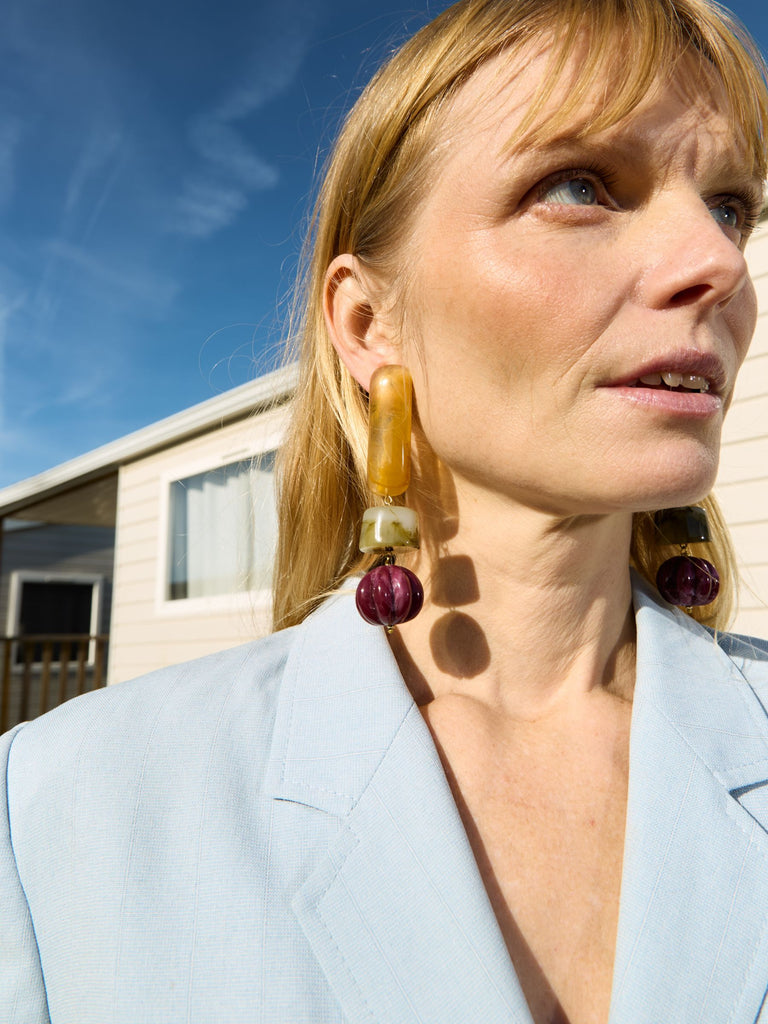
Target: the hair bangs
pixel 624 48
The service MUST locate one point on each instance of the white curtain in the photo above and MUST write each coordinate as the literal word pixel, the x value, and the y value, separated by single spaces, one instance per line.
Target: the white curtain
pixel 223 525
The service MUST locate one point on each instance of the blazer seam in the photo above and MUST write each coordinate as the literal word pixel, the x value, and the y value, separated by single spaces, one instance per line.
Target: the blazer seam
pixel 701 761
pixel 329 934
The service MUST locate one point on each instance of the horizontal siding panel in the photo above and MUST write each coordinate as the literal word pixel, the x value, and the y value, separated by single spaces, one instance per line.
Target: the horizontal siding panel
pixel 753 379
pixel 129 570
pixel 743 460
pixel 139 513
pixel 751 542
pixel 759 343
pixel 147 635
pixel 754 591
pixel 752 622
pixel 757 252
pixel 133 488
pixel 745 502
pixel 139 534
pixel 133 591
pixel 220 624
pixel 133 560
pixel 746 419
pixel 139 544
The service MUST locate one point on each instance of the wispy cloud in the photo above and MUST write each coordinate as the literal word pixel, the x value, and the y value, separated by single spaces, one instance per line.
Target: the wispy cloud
pixel 204 208
pixel 94 174
pixel 228 168
pixel 125 141
pixel 116 281
pixel 224 149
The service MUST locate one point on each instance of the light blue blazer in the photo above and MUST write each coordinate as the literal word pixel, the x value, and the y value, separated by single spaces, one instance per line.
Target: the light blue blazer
pixel 267 836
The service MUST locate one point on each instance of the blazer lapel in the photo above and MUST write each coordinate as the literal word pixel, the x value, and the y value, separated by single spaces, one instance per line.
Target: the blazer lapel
pixel 395 910
pixel 693 928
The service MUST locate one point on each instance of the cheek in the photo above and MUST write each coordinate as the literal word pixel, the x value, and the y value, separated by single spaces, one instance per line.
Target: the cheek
pixel 497 304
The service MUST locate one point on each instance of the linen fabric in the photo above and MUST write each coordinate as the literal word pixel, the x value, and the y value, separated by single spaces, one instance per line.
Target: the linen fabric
pixel 267 835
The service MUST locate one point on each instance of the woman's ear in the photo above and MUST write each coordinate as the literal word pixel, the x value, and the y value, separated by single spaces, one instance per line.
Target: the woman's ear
pixel 360 333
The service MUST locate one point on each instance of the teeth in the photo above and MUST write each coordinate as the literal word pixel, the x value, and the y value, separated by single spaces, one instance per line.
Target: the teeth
pixel 693 382
pixel 689 381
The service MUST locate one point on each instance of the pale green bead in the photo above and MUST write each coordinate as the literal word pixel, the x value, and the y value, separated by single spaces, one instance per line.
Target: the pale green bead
pixel 389 526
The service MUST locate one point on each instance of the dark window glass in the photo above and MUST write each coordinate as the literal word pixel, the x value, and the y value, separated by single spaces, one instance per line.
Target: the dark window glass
pixel 50 609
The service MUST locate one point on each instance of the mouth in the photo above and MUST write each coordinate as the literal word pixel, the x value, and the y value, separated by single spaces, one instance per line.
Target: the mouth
pixel 688 383
pixel 671 380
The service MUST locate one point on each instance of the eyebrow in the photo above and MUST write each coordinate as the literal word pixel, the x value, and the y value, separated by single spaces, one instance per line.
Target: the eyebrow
pixel 731 165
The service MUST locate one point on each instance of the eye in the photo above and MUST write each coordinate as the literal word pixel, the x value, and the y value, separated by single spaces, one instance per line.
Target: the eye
pixel 573 191
pixel 738 216
pixel 583 185
pixel 728 215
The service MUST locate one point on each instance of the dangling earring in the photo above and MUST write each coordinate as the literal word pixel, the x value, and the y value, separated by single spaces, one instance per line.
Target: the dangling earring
pixel 685 580
pixel 389 594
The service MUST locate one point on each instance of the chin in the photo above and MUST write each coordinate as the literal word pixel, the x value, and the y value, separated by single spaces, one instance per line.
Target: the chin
pixel 675 494
pixel 681 476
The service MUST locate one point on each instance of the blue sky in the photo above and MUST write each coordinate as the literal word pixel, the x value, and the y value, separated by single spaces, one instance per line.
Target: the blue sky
pixel 156 163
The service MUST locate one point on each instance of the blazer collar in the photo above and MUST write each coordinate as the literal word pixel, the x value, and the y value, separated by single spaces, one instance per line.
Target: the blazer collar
pixel 693 929
pixel 396 912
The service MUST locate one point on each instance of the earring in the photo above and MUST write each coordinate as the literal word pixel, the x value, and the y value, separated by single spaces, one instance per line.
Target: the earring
pixel 685 580
pixel 389 594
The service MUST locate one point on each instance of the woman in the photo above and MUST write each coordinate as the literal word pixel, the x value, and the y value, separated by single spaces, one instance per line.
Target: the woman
pixel 540 208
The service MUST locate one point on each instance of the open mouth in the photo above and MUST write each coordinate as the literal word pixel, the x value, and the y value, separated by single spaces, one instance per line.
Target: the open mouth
pixel 673 381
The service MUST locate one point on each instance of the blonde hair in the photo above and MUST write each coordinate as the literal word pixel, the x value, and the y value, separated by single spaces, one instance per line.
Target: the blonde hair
pixel 375 181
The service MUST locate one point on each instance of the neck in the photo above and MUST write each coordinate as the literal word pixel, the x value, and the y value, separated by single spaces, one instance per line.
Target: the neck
pixel 523 609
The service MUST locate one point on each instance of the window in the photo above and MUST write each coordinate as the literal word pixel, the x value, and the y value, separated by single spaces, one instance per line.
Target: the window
pixel 222 526
pixel 48 605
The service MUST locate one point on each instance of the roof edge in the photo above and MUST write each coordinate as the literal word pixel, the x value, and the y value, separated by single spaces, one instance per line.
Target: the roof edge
pixel 230 405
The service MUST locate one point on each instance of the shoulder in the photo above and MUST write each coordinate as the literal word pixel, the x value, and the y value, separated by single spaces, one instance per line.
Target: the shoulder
pixel 679 658
pixel 750 656
pixel 745 648
pixel 219 710
pixel 174 715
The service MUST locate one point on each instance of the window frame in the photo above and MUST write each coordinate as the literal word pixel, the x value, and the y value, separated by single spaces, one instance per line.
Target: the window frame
pixel 269 438
pixel 19 577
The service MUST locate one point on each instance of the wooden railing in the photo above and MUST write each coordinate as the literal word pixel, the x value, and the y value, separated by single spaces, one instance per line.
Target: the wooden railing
pixel 41 672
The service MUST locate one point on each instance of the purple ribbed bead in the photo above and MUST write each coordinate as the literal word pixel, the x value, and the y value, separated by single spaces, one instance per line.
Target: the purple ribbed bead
pixel 687 581
pixel 389 595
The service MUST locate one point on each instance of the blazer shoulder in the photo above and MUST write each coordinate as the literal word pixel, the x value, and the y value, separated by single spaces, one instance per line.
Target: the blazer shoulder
pixel 737 645
pixel 179 707
pixel 750 655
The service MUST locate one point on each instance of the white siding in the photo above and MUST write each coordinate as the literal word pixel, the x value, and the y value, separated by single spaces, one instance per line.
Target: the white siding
pixel 149 631
pixel 743 479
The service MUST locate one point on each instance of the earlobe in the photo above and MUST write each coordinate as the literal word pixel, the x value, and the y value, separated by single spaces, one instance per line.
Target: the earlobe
pixel 359 332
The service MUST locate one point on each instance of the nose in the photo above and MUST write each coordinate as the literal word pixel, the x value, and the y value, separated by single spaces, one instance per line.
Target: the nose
pixel 689 259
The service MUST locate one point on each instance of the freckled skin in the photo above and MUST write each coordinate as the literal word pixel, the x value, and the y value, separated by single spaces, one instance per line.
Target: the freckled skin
pixel 541 279
pixel 526 301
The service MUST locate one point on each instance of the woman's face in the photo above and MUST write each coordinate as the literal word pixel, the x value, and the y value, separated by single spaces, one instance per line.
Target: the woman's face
pixel 555 287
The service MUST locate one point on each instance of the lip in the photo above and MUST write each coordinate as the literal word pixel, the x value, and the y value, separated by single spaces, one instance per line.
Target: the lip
pixel 691 405
pixel 693 362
